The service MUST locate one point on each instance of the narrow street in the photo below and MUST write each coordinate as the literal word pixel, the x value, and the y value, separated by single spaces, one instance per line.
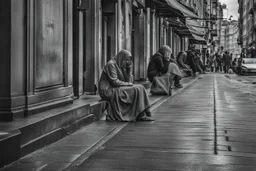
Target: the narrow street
pixel 209 126
pixel 249 79
pixel 63 63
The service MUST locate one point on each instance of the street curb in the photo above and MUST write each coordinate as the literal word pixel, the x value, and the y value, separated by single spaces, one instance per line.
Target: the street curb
pixel 94 147
pixel 114 131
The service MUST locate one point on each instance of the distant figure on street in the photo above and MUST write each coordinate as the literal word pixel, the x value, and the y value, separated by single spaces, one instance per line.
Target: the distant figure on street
pixel 126 102
pixel 239 65
pixel 226 62
pixel 219 59
pixel 161 63
pixel 212 63
pixel 242 55
pixel 234 65
pixel 207 54
pixel 207 57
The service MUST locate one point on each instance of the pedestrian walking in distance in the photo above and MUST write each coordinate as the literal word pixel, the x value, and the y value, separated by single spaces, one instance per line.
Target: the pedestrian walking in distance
pixel 226 62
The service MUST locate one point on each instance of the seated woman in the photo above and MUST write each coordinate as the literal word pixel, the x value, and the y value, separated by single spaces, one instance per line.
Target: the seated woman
pixel 160 64
pixel 126 102
pixel 199 64
pixel 186 60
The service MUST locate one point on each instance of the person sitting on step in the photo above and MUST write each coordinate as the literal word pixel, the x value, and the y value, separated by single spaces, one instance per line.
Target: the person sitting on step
pixel 160 64
pixel 126 101
pixel 186 60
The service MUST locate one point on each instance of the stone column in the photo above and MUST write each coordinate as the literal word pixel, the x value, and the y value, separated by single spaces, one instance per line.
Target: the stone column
pixel 12 66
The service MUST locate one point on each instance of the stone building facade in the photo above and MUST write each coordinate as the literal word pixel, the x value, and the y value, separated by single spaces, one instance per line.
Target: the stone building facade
pixel 60 47
pixel 247 26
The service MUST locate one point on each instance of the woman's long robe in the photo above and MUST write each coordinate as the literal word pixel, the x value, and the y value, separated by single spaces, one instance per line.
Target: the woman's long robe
pixel 125 102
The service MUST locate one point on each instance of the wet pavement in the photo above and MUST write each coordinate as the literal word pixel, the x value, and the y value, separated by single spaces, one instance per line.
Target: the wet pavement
pixel 208 126
pixel 248 79
pixel 246 84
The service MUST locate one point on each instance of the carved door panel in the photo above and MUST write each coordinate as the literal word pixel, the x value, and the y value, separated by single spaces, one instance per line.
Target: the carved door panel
pixel 49 40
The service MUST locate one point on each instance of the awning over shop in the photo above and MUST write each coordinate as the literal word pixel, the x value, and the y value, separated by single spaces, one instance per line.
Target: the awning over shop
pixel 195 27
pixel 175 22
pixel 186 12
pixel 187 31
pixel 192 27
pixel 171 8
pixel 163 9
pixel 183 32
pixel 139 3
pixel 189 27
pixel 193 22
pixel 194 31
pixel 197 39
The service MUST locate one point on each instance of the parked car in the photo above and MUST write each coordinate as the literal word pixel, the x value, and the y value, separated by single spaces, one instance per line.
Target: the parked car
pixel 248 65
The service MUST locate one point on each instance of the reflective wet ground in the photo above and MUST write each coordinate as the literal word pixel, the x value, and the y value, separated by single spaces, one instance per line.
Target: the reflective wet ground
pixel 209 126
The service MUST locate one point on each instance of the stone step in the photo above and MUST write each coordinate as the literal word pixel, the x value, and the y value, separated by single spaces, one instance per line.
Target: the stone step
pixel 29 134
pixel 9 147
pixel 54 135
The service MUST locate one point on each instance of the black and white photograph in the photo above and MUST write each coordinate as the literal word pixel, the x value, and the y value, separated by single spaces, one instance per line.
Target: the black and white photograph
pixel 128 85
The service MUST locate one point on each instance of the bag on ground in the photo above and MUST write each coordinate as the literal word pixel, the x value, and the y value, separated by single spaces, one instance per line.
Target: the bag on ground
pixel 161 85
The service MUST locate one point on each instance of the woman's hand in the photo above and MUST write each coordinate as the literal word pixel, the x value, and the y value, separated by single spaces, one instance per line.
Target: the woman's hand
pixel 130 84
pixel 128 66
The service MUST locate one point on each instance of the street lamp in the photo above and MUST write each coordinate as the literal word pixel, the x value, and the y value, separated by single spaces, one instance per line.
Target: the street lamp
pixel 230 17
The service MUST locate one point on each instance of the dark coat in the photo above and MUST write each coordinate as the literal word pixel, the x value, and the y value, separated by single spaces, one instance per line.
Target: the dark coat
pixel 185 59
pixel 226 59
pixel 157 65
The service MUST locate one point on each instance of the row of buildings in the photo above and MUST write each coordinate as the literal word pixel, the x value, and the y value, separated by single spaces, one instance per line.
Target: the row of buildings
pixel 227 32
pixel 53 51
pixel 247 26
pixel 231 33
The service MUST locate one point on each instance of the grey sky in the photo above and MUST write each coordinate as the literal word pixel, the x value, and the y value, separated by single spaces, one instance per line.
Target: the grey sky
pixel 232 6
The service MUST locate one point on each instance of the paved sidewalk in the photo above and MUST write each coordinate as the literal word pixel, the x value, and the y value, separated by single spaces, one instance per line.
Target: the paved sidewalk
pixel 209 126
pixel 67 152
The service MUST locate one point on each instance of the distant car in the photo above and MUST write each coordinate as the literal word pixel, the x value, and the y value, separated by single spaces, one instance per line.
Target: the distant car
pixel 248 65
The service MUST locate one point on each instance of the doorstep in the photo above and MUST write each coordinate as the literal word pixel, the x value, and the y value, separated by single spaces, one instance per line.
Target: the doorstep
pixel 29 134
